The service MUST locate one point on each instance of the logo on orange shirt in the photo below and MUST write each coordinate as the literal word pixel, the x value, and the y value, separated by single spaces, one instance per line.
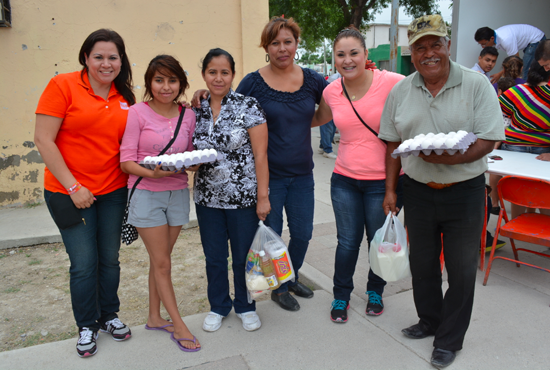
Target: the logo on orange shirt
pixel 124 105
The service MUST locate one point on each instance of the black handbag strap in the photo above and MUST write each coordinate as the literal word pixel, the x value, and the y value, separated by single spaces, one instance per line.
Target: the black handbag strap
pixel 163 150
pixel 357 114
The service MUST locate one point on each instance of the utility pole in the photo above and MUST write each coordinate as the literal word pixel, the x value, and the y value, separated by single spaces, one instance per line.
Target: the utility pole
pixel 393 34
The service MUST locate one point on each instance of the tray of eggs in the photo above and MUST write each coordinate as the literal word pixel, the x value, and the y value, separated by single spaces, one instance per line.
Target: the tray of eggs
pixel 175 162
pixel 451 143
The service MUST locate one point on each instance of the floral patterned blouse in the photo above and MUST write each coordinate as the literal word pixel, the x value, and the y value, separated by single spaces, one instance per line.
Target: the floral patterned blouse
pixel 229 183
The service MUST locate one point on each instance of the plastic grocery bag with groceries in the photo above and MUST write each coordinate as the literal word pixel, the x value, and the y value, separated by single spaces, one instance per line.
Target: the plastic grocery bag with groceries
pixel 389 253
pixel 268 263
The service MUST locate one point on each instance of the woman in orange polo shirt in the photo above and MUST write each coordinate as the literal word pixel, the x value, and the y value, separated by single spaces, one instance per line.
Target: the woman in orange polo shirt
pixel 80 120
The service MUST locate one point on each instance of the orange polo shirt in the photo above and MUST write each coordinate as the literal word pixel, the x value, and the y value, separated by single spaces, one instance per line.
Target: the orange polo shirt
pixel 90 135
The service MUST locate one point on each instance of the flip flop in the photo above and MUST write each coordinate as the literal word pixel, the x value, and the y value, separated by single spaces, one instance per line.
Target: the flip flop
pixel 162 328
pixel 194 340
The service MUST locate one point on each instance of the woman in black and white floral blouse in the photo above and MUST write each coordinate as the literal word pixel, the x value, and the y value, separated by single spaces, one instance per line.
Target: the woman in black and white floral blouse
pixel 230 194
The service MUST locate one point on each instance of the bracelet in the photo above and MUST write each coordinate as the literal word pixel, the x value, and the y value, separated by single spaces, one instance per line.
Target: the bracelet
pixel 73 189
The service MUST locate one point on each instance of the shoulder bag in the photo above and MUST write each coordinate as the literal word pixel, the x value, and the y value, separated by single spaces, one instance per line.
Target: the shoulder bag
pixel 357 114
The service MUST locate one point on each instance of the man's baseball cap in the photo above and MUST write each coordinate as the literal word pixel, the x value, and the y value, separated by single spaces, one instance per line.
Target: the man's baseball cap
pixel 426 25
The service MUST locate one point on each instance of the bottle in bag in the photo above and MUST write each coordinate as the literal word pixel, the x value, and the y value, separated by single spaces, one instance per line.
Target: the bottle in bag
pixel 268 270
pixel 282 265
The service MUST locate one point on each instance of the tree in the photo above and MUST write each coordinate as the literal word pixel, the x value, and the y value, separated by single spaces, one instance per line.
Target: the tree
pixel 320 19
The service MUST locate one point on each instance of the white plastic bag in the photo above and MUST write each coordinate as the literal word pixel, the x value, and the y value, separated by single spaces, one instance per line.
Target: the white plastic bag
pixel 389 253
pixel 269 241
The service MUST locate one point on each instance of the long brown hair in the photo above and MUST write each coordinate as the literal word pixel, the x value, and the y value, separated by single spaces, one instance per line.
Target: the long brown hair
pixel 123 82
pixel 512 66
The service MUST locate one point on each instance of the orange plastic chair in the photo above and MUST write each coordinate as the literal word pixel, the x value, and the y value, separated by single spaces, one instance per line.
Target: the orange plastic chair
pixel 528 227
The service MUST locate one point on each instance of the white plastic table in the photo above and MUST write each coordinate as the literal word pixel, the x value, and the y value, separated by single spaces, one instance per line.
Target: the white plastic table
pixel 518 164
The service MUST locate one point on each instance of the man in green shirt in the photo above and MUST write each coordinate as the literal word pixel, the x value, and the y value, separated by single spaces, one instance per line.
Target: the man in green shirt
pixel 443 194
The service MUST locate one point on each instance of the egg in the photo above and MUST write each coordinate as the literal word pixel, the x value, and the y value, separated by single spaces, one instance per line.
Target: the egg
pixel 427 142
pixel 450 142
pixel 431 134
pixel 439 142
pixel 441 134
pixel 451 134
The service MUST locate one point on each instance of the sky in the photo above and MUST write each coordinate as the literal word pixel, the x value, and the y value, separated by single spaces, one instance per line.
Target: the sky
pixel 385 16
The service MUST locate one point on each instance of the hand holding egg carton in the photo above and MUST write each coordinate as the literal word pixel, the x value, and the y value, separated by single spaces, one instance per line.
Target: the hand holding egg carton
pixel 175 162
pixel 451 143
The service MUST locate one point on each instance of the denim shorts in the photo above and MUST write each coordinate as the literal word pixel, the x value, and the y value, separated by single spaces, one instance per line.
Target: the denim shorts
pixel 157 208
pixel 525 148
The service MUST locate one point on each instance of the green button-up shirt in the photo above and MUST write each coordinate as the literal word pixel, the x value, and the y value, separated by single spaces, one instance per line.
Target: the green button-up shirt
pixel 466 102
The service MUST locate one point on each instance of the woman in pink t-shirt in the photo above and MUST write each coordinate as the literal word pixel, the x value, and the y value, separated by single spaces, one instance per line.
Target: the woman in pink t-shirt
pixel 358 182
pixel 160 204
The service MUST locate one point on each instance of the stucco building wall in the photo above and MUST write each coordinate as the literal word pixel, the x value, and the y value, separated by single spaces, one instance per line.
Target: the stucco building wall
pixel 45 39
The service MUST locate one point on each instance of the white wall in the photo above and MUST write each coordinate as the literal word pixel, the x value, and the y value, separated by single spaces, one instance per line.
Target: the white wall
pixel 469 15
pixel 379 34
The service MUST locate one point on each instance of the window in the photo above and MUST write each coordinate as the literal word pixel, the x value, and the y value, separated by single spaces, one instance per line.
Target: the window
pixel 5 13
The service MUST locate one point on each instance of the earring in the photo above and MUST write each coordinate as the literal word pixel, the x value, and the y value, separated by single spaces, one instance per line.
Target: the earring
pixel 297 56
pixel 267 58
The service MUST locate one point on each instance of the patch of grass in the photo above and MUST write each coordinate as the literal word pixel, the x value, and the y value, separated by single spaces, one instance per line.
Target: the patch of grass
pixel 24 282
pixel 2 255
pixel 11 290
pixel 35 262
pixel 32 204
pixel 28 255
pixel 33 340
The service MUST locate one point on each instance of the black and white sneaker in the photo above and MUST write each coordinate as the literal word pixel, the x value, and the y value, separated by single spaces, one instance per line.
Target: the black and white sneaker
pixel 117 329
pixel 86 345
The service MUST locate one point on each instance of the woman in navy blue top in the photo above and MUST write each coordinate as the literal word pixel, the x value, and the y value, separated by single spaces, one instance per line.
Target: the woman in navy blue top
pixel 288 93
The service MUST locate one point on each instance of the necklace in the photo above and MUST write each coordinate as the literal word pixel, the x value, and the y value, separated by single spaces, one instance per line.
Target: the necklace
pixel 353 97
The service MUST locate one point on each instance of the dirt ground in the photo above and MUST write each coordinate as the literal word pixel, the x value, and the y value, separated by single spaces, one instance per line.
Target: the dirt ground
pixel 35 302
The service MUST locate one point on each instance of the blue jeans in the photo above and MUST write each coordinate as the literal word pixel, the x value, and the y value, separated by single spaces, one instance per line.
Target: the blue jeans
pixel 93 251
pixel 216 227
pixel 327 135
pixel 525 148
pixel 295 195
pixel 529 56
pixel 357 207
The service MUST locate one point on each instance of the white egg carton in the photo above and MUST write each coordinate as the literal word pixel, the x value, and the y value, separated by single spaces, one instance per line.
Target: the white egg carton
pixel 426 143
pixel 173 162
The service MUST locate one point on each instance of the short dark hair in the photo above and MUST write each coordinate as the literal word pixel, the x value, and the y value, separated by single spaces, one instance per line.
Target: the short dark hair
pixel 543 50
pixel 123 82
pixel 504 83
pixel 489 50
pixel 165 64
pixel 213 53
pixel 274 26
pixel 537 74
pixel 350 31
pixel 484 33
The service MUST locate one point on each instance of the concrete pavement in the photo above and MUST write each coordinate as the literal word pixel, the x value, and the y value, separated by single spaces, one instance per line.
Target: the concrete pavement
pixel 508 330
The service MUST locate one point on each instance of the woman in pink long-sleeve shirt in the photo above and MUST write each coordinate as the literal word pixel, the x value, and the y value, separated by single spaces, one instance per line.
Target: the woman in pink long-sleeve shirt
pixel 160 204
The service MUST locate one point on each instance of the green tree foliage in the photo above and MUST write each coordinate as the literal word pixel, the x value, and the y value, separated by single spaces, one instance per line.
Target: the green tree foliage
pixel 320 19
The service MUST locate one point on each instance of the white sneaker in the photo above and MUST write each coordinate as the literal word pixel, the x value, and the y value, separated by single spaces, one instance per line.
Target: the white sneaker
pixel 212 322
pixel 251 321
pixel 321 150
pixel 329 155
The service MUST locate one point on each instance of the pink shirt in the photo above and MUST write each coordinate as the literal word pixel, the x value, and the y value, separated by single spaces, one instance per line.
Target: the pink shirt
pixel 147 133
pixel 361 155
